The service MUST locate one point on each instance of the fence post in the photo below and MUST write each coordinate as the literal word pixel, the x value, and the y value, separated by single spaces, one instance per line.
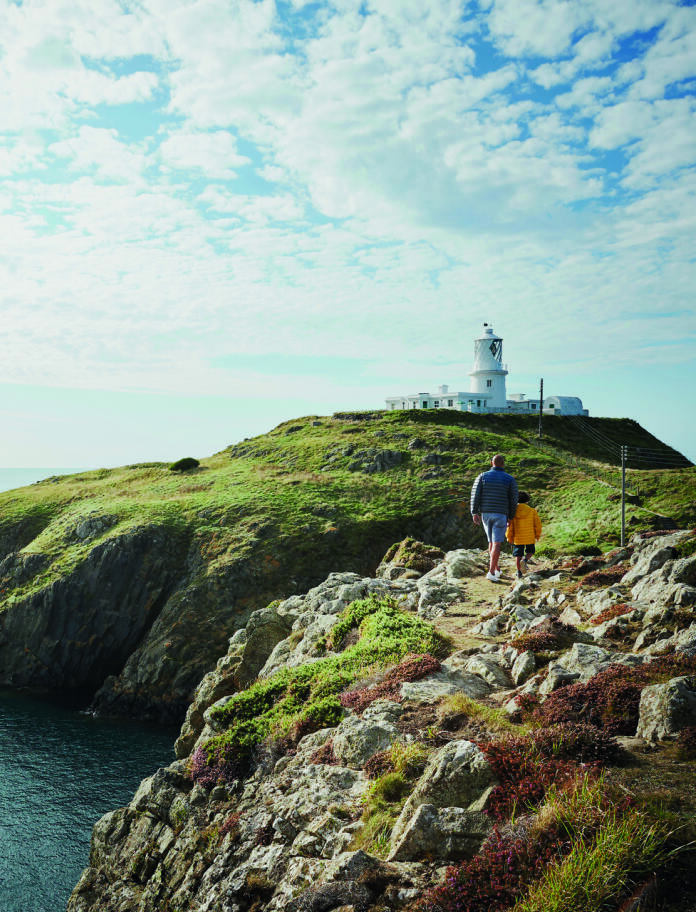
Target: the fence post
pixel 623 496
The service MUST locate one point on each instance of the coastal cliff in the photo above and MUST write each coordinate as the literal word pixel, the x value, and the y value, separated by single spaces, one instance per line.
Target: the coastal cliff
pixel 366 745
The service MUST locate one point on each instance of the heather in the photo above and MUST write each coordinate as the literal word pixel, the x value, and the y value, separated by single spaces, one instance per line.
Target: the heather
pixel 513 858
pixel 611 698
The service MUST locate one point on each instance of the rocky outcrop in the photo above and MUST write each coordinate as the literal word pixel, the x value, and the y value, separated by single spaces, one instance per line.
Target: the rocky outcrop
pixel 443 817
pixel 285 837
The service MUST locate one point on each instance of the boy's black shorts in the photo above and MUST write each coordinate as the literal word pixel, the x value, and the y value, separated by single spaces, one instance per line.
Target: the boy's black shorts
pixel 521 550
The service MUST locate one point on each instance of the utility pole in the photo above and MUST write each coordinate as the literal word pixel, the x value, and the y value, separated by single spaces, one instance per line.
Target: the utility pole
pixel 623 496
pixel 541 404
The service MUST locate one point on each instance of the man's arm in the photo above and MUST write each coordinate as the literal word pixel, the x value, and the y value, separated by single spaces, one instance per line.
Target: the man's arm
pixel 475 502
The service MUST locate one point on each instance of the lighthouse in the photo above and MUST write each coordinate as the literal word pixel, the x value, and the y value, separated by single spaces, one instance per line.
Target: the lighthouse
pixel 489 372
pixel 487 393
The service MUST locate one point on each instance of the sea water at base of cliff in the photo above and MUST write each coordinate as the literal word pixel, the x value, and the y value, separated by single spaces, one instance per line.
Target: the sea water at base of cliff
pixel 60 771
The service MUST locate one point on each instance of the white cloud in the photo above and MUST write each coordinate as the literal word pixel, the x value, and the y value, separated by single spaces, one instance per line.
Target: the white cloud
pixel 100 150
pixel 214 153
pixel 195 179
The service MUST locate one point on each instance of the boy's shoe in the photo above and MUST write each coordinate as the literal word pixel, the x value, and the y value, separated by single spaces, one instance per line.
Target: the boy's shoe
pixel 493 578
pixel 520 575
pixel 498 572
pixel 528 560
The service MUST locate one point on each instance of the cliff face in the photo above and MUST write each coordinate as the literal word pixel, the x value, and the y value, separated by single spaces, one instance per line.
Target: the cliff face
pixel 369 769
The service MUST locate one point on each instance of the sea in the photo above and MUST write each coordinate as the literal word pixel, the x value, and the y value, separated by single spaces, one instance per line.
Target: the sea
pixel 60 771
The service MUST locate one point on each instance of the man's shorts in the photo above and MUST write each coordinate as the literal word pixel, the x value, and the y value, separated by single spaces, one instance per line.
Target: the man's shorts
pixel 521 550
pixel 495 525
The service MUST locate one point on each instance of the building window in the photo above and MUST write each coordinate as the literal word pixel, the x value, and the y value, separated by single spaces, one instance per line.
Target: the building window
pixel 425 403
pixel 489 383
pixel 551 405
pixel 478 403
pixel 450 402
pixel 436 404
pixel 533 405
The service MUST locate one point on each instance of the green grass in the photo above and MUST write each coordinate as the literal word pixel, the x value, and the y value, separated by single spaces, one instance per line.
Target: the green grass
pixel 290 500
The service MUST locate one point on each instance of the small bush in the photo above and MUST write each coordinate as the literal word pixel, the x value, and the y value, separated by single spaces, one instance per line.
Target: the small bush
pixel 609 700
pixel 325 754
pixel 379 764
pixel 606 576
pixel 548 636
pixel 207 769
pixel 231 826
pixel 576 741
pixel 610 613
pixel 492 880
pixel 414 555
pixel 412 668
pixel 524 775
pixel 184 465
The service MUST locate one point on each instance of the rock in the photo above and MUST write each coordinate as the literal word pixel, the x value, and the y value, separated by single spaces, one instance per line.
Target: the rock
pixel 465 564
pixel 491 627
pixel 492 669
pixel 524 667
pixel 582 662
pixel 451 679
pixel 570 616
pixel 356 740
pixel 649 560
pixel 441 834
pixel 248 652
pixel 665 709
pixel 457 776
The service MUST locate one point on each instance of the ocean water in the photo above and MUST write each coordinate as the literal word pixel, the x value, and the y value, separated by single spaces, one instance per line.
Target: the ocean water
pixel 60 771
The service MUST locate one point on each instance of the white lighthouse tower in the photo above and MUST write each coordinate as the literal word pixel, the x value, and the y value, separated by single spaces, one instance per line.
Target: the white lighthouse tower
pixel 489 373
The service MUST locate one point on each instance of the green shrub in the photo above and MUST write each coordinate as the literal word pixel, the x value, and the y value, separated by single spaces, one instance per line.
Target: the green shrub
pixel 296 701
pixel 184 465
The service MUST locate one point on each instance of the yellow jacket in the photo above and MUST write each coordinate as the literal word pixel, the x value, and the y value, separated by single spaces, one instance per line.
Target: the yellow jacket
pixel 525 527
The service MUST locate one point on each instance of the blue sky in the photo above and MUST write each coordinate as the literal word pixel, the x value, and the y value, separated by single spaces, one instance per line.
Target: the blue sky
pixel 220 215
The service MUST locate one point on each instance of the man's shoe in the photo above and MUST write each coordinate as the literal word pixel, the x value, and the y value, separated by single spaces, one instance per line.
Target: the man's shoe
pixel 492 577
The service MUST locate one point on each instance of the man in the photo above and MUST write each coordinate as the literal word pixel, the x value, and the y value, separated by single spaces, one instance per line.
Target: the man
pixel 493 505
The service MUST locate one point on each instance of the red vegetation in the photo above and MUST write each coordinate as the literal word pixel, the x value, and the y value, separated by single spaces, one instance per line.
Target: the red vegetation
pixel 412 668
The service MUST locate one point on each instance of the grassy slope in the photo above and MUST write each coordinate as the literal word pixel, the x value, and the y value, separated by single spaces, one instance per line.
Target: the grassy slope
pixel 282 484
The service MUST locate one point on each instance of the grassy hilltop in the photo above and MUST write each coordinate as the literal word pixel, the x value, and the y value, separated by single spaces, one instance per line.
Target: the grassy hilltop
pixel 274 515
pixel 318 478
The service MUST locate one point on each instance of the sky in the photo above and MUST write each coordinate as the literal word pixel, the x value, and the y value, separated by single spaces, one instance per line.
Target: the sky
pixel 217 215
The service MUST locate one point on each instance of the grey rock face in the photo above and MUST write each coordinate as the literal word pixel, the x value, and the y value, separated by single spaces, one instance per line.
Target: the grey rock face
pixel 665 709
pixel 523 668
pixel 457 776
pixel 356 740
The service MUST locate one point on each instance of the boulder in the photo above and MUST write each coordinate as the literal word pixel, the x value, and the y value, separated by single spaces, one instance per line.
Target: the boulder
pixel 441 834
pixel 665 709
pixel 356 740
pixel 457 776
pixel 523 668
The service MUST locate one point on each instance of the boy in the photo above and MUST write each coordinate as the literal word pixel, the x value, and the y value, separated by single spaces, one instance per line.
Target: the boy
pixel 523 531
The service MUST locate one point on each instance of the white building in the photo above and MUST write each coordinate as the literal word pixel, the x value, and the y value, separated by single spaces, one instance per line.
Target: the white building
pixel 487 392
